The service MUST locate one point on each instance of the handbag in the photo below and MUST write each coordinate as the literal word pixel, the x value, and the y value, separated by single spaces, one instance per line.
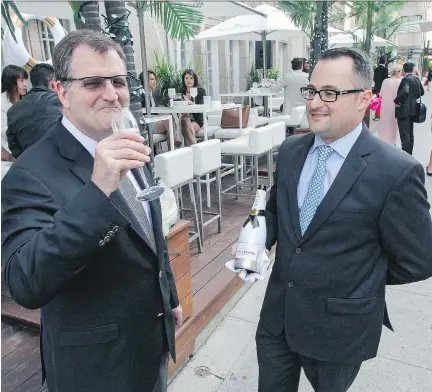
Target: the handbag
pixel 231 117
pixel 421 110
pixel 375 105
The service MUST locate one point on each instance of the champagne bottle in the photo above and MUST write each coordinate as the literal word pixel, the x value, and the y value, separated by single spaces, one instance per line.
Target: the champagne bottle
pixel 251 244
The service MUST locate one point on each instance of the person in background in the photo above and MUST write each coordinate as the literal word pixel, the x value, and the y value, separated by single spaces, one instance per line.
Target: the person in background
pixel 324 307
pixel 13 88
pixel 380 74
pixel 388 127
pixel 36 113
pixel 409 91
pixel 292 82
pixel 306 65
pixel 161 126
pixel 191 123
pixel 429 78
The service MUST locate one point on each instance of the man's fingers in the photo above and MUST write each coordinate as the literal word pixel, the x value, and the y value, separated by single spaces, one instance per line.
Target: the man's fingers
pixel 129 154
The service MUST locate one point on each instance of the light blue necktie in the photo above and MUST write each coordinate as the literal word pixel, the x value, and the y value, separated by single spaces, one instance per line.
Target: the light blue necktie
pixel 314 193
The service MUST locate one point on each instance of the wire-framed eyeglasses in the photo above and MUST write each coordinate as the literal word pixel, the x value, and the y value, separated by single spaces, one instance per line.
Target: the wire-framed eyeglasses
pixel 326 95
pixel 98 83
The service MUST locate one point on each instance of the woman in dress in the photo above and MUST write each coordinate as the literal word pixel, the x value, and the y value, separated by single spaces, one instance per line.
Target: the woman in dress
pixel 388 127
pixel 191 123
pixel 13 88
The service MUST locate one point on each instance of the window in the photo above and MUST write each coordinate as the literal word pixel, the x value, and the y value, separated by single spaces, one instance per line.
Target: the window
pixel 209 68
pixel 182 54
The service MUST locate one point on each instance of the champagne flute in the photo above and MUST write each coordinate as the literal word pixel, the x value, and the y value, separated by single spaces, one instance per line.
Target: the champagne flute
pixel 193 93
pixel 122 120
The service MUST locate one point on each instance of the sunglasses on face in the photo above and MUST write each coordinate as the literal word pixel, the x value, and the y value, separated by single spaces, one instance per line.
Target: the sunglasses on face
pixel 98 83
pixel 326 95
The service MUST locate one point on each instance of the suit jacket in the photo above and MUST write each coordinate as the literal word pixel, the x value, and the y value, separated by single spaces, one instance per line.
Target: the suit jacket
pixel 380 74
pixel 85 261
pixel 30 118
pixel 373 227
pixel 409 91
pixel 291 83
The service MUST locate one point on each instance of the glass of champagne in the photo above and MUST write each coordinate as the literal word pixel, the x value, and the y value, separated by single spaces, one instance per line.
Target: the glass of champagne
pixel 123 120
pixel 193 93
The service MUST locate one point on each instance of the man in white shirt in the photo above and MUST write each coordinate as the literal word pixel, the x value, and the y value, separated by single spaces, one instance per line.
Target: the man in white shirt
pixel 292 82
pixel 77 243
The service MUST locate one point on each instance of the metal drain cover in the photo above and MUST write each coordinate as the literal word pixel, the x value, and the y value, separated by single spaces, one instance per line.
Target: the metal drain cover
pixel 202 371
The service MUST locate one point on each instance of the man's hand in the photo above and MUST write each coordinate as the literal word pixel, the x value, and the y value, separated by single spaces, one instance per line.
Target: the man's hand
pixel 178 316
pixel 114 156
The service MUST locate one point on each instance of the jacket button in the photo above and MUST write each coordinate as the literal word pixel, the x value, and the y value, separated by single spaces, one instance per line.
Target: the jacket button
pixel 101 243
pixel 160 274
pixel 107 239
pixel 111 233
pixel 298 250
pixel 115 229
pixel 290 284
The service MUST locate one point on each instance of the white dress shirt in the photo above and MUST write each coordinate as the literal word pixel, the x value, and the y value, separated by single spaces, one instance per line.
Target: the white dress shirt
pixel 334 163
pixel 90 145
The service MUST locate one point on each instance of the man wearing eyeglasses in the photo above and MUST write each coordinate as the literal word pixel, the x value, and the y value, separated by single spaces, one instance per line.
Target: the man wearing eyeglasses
pixel 76 242
pixel 349 215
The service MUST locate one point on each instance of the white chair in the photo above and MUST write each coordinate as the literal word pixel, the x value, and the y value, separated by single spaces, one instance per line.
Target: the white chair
pixel 258 142
pixel 175 168
pixel 206 160
pixel 158 139
pixel 255 120
pixel 292 120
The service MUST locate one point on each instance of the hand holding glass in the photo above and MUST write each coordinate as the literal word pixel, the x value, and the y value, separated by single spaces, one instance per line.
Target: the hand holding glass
pixel 123 120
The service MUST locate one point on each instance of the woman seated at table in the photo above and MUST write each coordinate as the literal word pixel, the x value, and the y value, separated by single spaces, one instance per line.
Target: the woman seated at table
pixel 161 126
pixel 191 123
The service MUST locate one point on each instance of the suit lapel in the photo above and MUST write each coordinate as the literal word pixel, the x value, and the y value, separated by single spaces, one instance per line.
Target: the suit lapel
pixel 344 181
pixel 299 158
pixel 82 167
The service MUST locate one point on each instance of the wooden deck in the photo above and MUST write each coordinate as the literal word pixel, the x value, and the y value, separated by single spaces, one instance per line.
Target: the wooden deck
pixel 212 286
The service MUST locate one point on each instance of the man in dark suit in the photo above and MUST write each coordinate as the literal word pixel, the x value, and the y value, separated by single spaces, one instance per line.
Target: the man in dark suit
pixel 380 74
pixel 409 91
pixel 34 115
pixel 77 243
pixel 349 214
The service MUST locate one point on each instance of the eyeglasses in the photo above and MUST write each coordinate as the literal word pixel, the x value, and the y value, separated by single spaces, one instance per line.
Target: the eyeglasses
pixel 98 83
pixel 326 95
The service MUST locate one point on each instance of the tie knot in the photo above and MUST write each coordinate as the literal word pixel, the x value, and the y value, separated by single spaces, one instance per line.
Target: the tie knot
pixel 324 152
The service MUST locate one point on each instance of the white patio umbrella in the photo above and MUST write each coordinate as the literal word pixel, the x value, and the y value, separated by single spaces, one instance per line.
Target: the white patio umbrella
pixel 269 24
pixel 348 39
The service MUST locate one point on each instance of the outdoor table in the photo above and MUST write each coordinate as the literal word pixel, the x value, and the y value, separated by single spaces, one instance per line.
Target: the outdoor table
pixel 157 118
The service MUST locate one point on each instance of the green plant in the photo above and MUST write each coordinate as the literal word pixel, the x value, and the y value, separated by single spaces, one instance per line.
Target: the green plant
pixel 253 76
pixel 273 73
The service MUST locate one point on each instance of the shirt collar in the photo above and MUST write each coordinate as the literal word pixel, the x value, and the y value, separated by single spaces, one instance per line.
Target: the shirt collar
pixel 342 145
pixel 88 143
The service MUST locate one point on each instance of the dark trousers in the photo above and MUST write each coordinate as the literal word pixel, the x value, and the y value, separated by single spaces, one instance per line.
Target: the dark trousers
pixel 406 132
pixel 279 367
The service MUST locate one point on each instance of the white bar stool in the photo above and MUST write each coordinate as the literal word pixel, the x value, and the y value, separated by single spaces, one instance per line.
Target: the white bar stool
pixel 175 168
pixel 292 120
pixel 206 160
pixel 258 142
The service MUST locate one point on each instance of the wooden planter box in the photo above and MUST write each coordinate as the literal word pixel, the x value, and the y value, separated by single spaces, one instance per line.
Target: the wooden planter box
pixel 179 254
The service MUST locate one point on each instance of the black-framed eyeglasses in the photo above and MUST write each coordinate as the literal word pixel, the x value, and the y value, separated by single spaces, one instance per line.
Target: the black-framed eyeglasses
pixel 98 83
pixel 326 95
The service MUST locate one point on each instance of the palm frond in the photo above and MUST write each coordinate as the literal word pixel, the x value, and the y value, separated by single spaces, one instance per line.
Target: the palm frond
pixel 302 14
pixel 5 11
pixel 180 20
